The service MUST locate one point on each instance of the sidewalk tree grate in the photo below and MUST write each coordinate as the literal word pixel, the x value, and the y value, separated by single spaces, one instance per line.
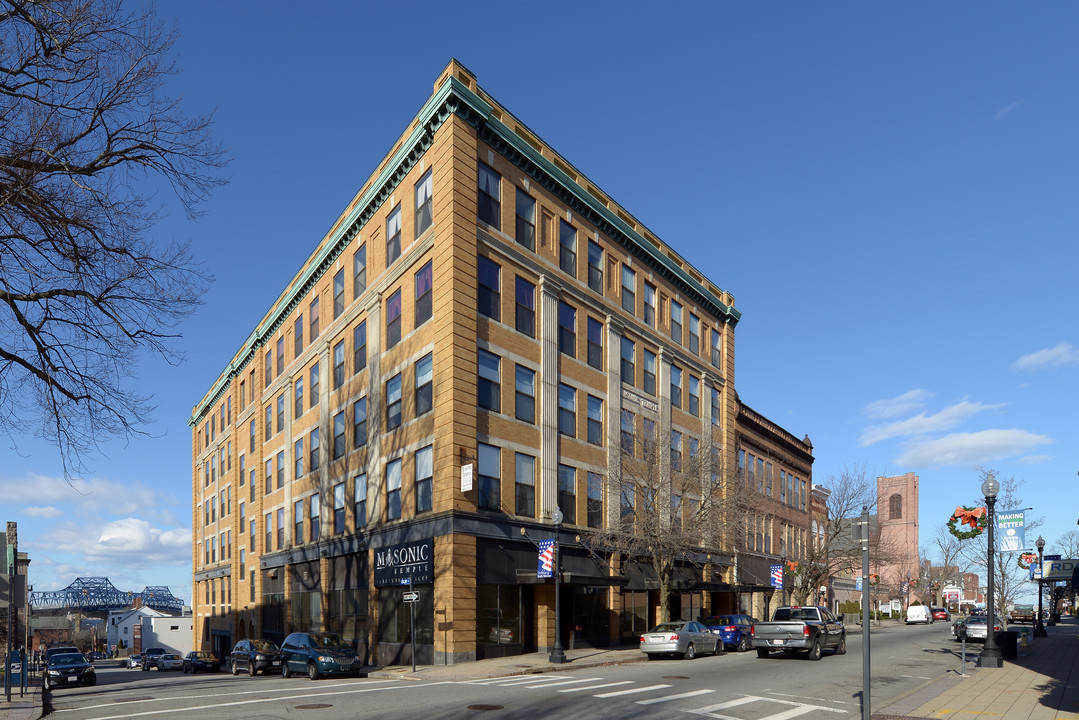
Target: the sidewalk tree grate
pixel 485 707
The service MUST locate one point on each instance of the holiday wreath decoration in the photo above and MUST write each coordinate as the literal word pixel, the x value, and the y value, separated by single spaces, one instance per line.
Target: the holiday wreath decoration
pixel 974 517
pixel 1026 560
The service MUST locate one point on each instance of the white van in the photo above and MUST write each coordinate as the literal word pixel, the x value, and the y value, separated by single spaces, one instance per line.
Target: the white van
pixel 919 614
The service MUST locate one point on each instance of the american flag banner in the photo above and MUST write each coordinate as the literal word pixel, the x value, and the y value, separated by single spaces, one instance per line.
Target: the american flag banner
pixel 777 575
pixel 906 586
pixel 546 559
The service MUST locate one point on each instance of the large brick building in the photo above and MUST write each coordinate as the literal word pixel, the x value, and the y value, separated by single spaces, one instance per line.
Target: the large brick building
pixel 465 351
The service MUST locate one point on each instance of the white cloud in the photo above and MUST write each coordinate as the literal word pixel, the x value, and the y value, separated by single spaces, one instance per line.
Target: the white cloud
pixel 894 407
pixel 946 419
pixel 47 512
pixel 1035 459
pixel 1063 354
pixel 970 449
pixel 1000 114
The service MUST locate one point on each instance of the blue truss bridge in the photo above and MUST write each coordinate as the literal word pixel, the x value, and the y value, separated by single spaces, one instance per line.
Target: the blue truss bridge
pixel 97 594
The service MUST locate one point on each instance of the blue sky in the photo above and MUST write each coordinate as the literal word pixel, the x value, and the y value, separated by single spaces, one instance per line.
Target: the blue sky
pixel 888 190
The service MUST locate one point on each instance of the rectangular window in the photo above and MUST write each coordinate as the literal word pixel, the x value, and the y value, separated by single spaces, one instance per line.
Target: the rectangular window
pixel 694 334
pixel 279 359
pixel 676 451
pixel 626 504
pixel 595 343
pixel 567 329
pixel 525 394
pixel 525 485
pixel 393 319
pixel 676 386
pixel 649 305
pixel 595 420
pixel 359 347
pixel 315 517
pixel 359 271
pixel 526 220
pixel 297 522
pixel 488 389
pixel 716 356
pixel 281 412
pixel 313 450
pixel 567 493
pixel 676 322
pixel 490 477
pixel 338 508
pixel 312 314
pixel 297 459
pixel 268 546
pixel 694 396
pixel 297 398
pixel 393 402
pixel 424 214
pixel 649 372
pixel 243 396
pixel 567 248
pixel 280 528
pixel 629 350
pixel 280 469
pixel 628 432
pixel 489 200
pixel 567 410
pixel 594 489
pixel 424 384
pixel 338 293
pixel 338 364
pixel 254 531
pixel 715 406
pixel 393 490
pixel 424 279
pixel 243 469
pixel 359 422
pixel 525 307
pixel 425 475
pixel 268 372
pixel 297 337
pixel 314 385
pixel 360 500
pixel 339 435
pixel 768 479
pixel 629 290
pixel 243 566
pixel 595 267
pixel 488 292
pixel 267 423
pixel 393 236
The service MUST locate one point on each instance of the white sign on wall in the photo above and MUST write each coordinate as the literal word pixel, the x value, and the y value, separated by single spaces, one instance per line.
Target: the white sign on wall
pixel 466 477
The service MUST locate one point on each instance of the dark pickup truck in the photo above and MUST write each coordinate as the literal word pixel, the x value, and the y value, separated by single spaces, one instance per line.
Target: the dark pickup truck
pixel 807 630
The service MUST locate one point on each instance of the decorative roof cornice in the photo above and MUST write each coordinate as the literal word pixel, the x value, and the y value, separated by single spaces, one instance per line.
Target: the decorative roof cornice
pixel 453 97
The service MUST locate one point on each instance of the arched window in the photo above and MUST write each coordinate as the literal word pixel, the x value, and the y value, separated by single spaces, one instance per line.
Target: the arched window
pixel 895 505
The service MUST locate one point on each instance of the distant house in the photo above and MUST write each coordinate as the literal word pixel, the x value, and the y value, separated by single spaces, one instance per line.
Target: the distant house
pixel 122 625
pixel 172 632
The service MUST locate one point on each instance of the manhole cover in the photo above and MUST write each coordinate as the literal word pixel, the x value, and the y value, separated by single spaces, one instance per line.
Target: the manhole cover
pixel 676 677
pixel 485 707
pixel 313 706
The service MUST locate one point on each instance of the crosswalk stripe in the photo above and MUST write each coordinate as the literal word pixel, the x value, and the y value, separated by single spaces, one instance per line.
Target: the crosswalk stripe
pixel 724 705
pixel 793 712
pixel 524 679
pixel 631 691
pixel 597 687
pixel 668 698
pixel 560 683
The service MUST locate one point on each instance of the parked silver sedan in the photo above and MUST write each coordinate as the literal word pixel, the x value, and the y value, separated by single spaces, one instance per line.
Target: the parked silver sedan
pixel 170 661
pixel 975 628
pixel 679 638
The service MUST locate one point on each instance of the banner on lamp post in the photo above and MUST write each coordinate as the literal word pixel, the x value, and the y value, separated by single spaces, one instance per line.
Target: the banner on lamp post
pixel 1011 531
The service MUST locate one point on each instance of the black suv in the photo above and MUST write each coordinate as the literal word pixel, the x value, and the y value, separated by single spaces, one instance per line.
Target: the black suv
pixel 255 656
pixel 150 657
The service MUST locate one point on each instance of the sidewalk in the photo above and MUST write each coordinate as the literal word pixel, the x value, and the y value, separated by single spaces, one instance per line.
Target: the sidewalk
pixel 1041 684
pixel 27 707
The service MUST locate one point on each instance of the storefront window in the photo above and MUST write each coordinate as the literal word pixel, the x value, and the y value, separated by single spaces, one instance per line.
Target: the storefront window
pixel 498 615
pixel 393 615
pixel 634 618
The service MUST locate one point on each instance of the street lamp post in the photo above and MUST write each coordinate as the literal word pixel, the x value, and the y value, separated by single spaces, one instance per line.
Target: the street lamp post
pixel 1039 629
pixel 558 656
pixel 783 569
pixel 991 656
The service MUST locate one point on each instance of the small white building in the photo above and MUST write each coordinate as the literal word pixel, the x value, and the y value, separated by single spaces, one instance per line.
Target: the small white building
pixel 121 626
pixel 175 633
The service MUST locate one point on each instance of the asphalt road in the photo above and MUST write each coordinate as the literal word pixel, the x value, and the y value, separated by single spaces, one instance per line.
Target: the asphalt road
pixel 738 686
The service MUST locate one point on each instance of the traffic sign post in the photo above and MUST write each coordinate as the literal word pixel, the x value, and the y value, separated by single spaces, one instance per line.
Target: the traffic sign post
pixel 411 598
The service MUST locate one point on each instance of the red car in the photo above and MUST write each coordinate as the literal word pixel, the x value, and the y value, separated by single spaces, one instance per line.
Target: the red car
pixel 941 614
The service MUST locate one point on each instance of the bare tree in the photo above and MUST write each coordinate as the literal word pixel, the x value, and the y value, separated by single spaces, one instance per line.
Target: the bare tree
pixel 87 134
pixel 1067 545
pixel 950 561
pixel 673 509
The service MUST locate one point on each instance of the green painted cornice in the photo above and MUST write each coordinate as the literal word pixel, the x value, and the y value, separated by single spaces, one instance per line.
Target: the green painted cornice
pixel 453 97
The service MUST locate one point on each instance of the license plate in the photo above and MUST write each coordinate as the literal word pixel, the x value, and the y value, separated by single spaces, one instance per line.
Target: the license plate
pixel 777 642
pixel 72 679
pixel 657 638
pixel 276 662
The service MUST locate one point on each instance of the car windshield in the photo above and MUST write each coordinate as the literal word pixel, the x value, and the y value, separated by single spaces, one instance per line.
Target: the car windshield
pixel 67 659
pixel 667 628
pixel 264 646
pixel 328 640
pixel 718 621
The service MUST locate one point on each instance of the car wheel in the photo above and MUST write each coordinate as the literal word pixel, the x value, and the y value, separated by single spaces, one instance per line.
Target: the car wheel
pixel 841 648
pixel 762 652
pixel 252 671
pixel 235 670
pixel 743 643
pixel 719 648
pixel 690 652
pixel 285 672
pixel 312 670
pixel 814 650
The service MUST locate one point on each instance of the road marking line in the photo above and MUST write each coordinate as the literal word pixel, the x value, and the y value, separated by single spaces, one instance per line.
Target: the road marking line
pixel 560 683
pixel 522 680
pixel 631 691
pixel 793 712
pixel 724 705
pixel 668 698
pixel 597 687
